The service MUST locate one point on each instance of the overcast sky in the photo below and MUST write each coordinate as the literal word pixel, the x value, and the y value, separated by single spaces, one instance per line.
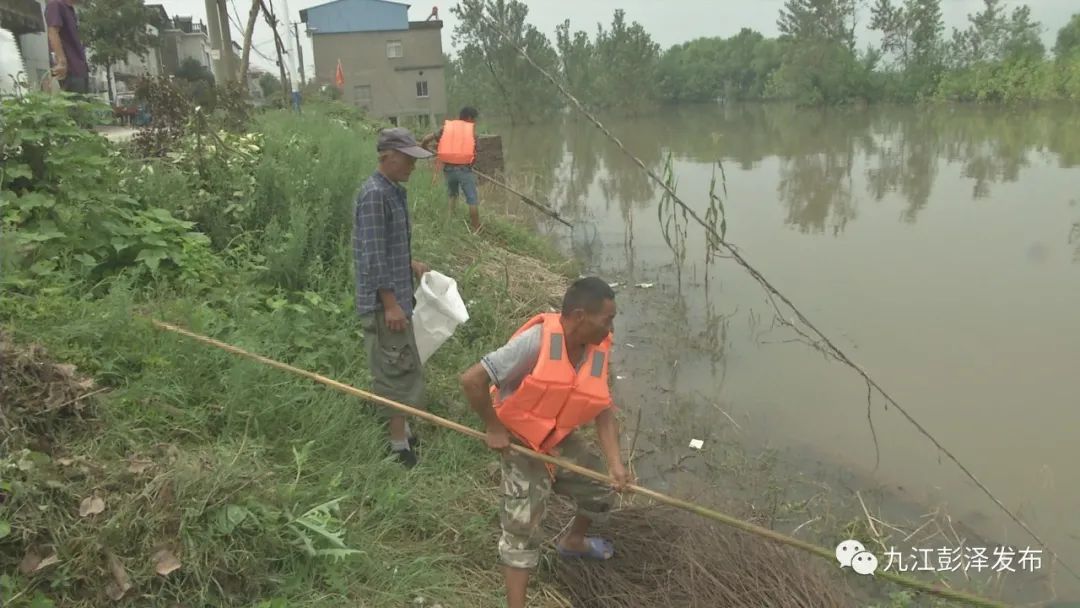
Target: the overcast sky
pixel 669 21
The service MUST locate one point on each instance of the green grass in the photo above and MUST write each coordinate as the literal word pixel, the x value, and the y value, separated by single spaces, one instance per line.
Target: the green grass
pixel 235 453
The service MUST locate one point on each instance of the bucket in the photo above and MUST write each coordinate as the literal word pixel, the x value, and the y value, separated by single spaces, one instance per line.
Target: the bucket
pixel 439 310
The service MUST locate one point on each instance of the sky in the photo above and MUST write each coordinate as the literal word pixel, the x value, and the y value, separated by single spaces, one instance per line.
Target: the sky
pixel 669 21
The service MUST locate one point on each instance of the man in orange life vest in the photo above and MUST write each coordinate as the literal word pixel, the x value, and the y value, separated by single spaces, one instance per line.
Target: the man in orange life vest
pixel 457 144
pixel 548 380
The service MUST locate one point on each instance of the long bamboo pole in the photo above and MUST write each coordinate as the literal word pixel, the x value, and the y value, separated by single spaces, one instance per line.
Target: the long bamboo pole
pixel 526 198
pixel 717 516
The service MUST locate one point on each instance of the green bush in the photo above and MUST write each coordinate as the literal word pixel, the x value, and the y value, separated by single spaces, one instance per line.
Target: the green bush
pixel 65 203
pixel 306 184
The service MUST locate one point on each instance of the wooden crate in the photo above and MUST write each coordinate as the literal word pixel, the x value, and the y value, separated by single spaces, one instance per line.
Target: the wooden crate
pixel 489 155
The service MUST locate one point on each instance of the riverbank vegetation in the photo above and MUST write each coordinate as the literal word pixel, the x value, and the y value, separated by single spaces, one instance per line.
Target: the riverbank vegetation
pixel 148 470
pixel 997 57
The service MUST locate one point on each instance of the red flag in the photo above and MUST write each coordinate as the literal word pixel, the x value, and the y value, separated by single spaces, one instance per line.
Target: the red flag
pixel 339 77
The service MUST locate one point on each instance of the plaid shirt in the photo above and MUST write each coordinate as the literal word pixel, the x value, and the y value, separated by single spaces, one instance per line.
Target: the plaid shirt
pixel 381 245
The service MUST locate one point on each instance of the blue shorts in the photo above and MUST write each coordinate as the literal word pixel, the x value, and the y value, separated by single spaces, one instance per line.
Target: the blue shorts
pixel 461 178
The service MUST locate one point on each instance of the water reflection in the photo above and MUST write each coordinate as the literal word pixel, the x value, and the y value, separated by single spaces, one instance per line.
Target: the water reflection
pixel 828 160
pixel 948 279
pixel 533 154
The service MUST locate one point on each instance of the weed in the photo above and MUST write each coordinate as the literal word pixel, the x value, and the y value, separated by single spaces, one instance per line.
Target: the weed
pixel 266 489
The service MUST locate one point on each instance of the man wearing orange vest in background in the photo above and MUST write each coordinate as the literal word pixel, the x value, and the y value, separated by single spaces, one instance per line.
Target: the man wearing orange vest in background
pixel 548 380
pixel 457 144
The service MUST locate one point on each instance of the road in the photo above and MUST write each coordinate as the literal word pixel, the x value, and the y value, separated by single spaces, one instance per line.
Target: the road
pixel 117 133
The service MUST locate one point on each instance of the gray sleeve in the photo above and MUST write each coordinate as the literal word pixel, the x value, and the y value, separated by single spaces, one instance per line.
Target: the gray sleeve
pixel 509 365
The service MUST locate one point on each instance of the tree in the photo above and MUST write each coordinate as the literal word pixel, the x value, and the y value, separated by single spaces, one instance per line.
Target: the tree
pixel 981 41
pixel 734 69
pixel 616 71
pixel 114 29
pixel 1023 40
pixel 628 58
pixel 927 28
pixel 820 64
pixel 912 34
pixel 993 36
pixel 269 84
pixel 895 27
pixel 577 57
pixel 489 62
pixel 193 71
pixel 822 20
pixel 196 80
pixel 1068 38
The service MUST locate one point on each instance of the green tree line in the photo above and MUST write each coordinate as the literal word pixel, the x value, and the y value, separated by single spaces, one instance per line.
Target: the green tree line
pixel 996 57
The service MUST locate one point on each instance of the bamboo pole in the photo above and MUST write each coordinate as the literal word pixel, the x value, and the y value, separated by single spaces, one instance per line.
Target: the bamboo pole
pixel 529 201
pixel 705 512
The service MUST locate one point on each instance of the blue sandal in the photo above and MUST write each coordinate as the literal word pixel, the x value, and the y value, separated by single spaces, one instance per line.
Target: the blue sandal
pixel 599 549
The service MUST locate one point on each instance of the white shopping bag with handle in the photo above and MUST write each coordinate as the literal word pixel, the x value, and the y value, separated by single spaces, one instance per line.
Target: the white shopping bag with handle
pixel 439 310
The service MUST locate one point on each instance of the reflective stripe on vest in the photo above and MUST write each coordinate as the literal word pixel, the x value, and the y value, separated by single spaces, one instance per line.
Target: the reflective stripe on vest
pixel 555 399
pixel 556 347
pixel 598 360
pixel 457 145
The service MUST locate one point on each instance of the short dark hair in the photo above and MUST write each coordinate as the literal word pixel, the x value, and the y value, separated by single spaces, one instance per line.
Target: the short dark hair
pixel 468 113
pixel 588 293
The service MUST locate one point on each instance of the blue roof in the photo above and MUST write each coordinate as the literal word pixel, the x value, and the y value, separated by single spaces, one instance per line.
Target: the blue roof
pixel 342 16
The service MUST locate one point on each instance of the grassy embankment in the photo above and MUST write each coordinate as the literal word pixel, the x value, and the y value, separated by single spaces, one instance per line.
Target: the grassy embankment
pixel 268 489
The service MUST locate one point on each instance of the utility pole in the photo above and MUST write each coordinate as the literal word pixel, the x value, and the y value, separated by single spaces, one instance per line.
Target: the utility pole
pixel 290 56
pixel 279 46
pixel 245 54
pixel 299 52
pixel 213 23
pixel 227 57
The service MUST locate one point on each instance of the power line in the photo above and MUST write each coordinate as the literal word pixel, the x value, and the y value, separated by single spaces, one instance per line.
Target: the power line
pixel 235 19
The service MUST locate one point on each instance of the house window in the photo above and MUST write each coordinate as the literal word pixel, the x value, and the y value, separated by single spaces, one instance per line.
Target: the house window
pixel 394 49
pixel 421 88
pixel 362 95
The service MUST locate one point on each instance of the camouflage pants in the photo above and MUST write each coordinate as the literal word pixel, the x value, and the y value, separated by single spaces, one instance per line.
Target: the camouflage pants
pixel 526 486
pixel 396 371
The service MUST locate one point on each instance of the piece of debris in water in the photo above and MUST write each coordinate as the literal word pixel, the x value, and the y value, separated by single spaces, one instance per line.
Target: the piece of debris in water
pixel 620 377
pixel 697 444
pixel 614 285
pixel 645 285
pixel 630 346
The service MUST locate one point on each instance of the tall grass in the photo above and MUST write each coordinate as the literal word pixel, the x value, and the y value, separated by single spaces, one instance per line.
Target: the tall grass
pixel 248 475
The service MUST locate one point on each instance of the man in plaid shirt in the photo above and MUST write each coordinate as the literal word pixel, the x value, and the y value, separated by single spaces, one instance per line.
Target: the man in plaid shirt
pixel 382 238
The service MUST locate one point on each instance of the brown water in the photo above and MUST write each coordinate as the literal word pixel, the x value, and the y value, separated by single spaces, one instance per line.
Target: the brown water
pixel 933 245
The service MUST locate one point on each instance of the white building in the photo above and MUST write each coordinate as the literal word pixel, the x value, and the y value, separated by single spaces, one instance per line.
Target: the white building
pixel 25 21
pixel 178 39
pixel 184 39
pixel 126 72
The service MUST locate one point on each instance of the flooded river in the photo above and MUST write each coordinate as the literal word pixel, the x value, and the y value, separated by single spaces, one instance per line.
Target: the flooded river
pixel 936 246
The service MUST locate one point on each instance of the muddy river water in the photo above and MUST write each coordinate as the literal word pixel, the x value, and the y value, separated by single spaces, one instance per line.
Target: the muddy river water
pixel 936 246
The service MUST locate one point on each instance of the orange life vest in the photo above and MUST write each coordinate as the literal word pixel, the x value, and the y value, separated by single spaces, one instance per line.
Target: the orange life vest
pixel 457 145
pixel 554 399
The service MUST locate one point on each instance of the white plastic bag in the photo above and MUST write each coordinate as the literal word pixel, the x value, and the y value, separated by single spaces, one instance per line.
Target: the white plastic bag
pixel 439 310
